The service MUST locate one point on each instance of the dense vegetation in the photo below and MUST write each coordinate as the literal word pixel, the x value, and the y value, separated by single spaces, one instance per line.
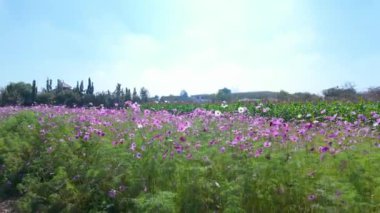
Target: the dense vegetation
pixel 287 110
pixel 228 158
pixel 26 94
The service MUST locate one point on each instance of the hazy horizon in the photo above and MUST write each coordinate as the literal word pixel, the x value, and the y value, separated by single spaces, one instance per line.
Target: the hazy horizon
pixel 198 46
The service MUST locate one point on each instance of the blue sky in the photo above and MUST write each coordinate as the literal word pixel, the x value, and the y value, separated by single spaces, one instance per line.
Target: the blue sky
pixel 196 45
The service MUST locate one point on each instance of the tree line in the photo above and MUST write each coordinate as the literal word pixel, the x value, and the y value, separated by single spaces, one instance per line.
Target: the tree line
pixel 27 94
pixel 346 92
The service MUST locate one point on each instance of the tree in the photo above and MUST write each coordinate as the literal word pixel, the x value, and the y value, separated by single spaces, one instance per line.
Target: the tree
pixel 284 96
pixel 128 95
pixel 81 88
pixel 118 93
pixel 67 98
pixel 90 87
pixel 347 92
pixel 373 94
pixel 224 94
pixel 45 98
pixel 306 96
pixel 76 90
pixel 34 91
pixel 135 96
pixel 49 85
pixel 59 87
pixel 183 94
pixel 144 95
pixel 17 94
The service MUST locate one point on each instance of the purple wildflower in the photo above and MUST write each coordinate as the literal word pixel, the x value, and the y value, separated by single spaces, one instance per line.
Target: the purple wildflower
pixel 323 149
pixel 258 152
pixel 147 112
pixel 222 149
pixel 86 137
pixel 165 154
pixel 178 148
pixel 112 193
pixel 133 146
pixel 189 156
pixel 293 138
pixel 49 150
pixel 311 197
pixel 267 144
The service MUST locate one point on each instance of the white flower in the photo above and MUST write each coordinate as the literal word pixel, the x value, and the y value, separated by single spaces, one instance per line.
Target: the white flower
pixel 266 109
pixel 224 104
pixel 299 116
pixel 375 124
pixel 242 109
pixel 217 113
pixel 217 184
pixel 308 115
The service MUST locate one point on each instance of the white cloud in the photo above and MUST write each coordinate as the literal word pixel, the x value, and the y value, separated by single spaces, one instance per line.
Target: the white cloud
pixel 202 65
pixel 217 51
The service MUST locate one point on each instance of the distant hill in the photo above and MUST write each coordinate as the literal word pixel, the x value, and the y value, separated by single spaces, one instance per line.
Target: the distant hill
pixel 238 96
pixel 244 96
pixel 255 95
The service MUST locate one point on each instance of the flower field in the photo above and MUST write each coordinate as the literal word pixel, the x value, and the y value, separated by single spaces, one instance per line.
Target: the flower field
pixel 179 158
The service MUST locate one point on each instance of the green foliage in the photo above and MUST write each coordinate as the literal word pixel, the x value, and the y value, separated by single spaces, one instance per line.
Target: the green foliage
pixel 224 94
pixel 144 95
pixel 18 144
pixel 90 87
pixel 289 111
pixel 45 98
pixel 49 85
pixel 128 95
pixel 17 94
pixel 34 92
pixel 67 98
pixel 135 96
pixel 162 201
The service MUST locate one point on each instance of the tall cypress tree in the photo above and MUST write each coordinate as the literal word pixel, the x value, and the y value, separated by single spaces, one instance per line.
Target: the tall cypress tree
pixel 90 87
pixel 135 96
pixel 59 87
pixel 49 83
pixel 76 88
pixel 117 93
pixel 144 94
pixel 81 88
pixel 34 91
pixel 128 95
